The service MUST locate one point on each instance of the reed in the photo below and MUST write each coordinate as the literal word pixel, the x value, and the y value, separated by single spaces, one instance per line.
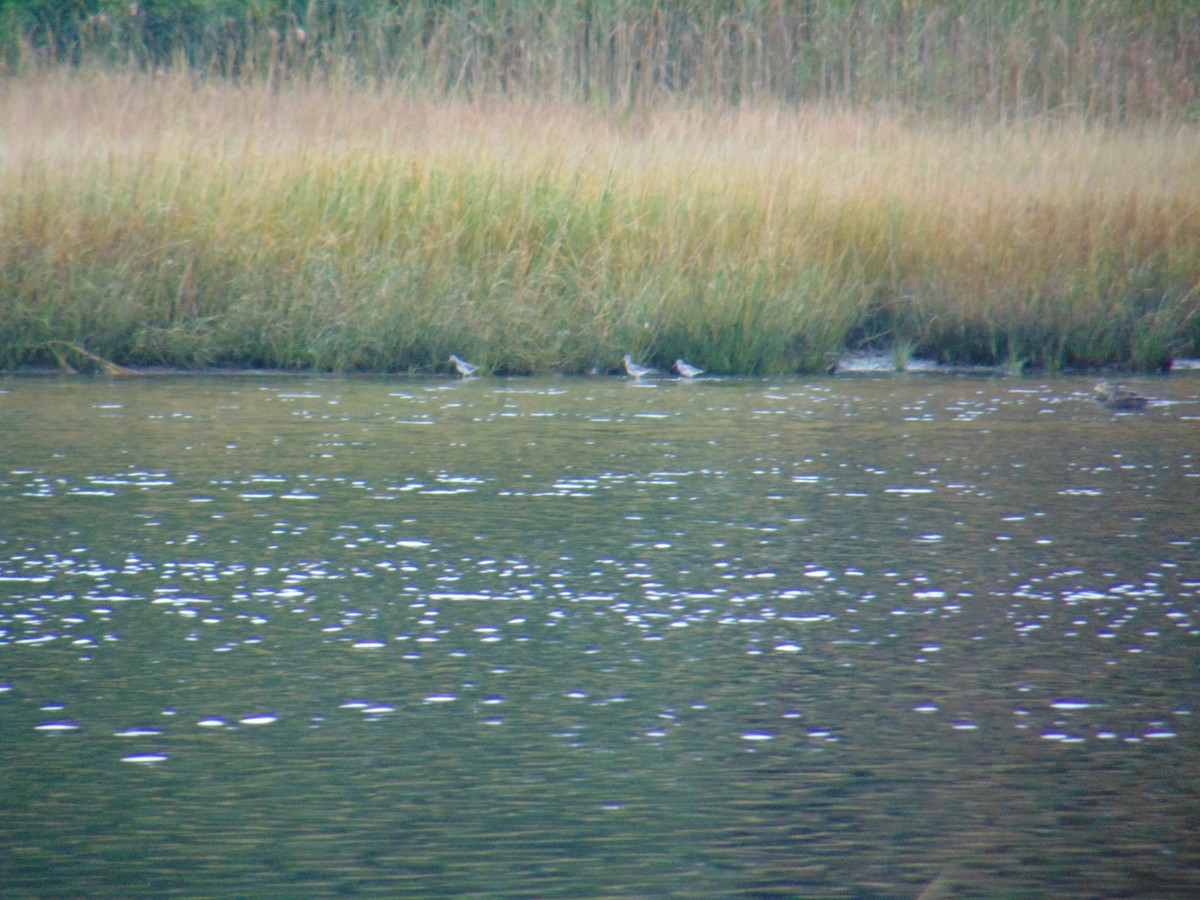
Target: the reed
pixel 1114 60
pixel 169 220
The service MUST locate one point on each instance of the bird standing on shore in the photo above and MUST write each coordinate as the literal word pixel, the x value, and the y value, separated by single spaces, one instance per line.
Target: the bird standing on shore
pixel 686 370
pixel 635 371
pixel 465 369
pixel 1118 398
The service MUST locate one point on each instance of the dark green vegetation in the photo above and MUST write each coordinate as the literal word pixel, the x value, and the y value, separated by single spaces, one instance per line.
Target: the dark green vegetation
pixel 1106 59
pixel 753 187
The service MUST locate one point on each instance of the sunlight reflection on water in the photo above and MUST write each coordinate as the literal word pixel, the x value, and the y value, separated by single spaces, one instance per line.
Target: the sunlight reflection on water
pixel 762 589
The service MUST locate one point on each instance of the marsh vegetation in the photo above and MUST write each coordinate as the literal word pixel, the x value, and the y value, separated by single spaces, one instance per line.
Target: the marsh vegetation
pixel 170 199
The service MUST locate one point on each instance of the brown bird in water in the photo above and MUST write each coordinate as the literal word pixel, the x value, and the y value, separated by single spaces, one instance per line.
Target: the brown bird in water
pixel 1117 398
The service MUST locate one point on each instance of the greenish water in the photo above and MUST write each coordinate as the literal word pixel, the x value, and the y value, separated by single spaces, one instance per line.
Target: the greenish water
pixel 282 636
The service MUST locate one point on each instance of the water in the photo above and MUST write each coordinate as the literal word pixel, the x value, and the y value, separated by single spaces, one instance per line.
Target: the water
pixel 285 636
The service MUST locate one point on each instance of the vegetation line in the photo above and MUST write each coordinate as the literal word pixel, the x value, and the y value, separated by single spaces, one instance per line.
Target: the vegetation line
pixel 1105 60
pixel 173 219
pixel 161 221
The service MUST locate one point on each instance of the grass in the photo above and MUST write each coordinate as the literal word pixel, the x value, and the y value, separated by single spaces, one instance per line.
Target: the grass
pixel 169 221
pixel 1108 60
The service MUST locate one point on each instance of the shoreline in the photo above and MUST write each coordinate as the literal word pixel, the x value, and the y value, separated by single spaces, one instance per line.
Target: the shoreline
pixel 849 367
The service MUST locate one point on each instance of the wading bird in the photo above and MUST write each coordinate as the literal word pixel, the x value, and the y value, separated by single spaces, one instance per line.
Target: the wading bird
pixel 465 369
pixel 635 370
pixel 1118 398
pixel 687 371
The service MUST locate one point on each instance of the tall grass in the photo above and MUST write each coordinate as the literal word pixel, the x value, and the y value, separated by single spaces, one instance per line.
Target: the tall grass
pixel 1112 60
pixel 164 220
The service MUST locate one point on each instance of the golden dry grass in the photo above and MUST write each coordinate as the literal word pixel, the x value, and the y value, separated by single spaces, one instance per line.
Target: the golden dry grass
pixel 172 221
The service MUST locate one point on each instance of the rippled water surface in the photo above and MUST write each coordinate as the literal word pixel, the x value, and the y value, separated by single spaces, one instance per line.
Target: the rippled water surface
pixel 280 636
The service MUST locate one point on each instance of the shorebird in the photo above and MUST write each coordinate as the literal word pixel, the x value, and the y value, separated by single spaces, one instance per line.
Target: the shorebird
pixel 465 369
pixel 686 370
pixel 1118 398
pixel 635 370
